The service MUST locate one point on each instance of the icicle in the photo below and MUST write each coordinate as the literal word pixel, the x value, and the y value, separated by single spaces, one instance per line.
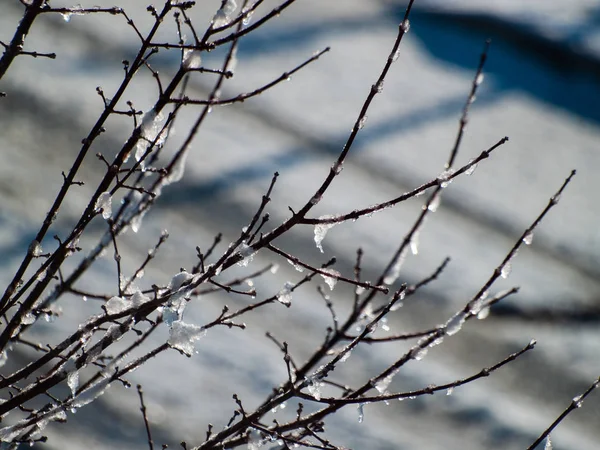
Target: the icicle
pixel 506 269
pixel 330 280
pixel 450 390
pixel 321 230
pixel 548 445
pixel 361 412
pixel 73 382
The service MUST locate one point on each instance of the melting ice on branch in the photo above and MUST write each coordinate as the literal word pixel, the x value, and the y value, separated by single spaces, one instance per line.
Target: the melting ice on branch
pixel 183 335
pixel 223 15
pixel 104 203
pixel 321 230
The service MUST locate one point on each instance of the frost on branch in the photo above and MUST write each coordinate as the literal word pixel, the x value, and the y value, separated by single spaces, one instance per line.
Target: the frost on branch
pixel 191 59
pixel 179 297
pixel 104 203
pixel 321 230
pixel 183 335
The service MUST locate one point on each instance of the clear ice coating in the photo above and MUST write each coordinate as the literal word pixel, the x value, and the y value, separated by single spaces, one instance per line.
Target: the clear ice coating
pixel 528 238
pixel 455 323
pixel 330 280
pixel 223 15
pixel 392 275
pixel 182 336
pixel 192 59
pixel 104 202
pixel 116 305
pixel 285 295
pixel 321 230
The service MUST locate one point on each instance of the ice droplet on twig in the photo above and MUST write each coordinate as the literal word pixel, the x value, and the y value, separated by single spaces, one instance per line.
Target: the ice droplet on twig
pixel 548 445
pixel 445 178
pixel 528 238
pixel 330 280
pixel 414 243
pixel 116 305
pixel 506 269
pixel 450 390
pixel 104 203
pixel 483 313
pixel 223 15
pixel 321 230
pixel 285 295
pixel 471 169
pixel 406 26
pixel 3 358
pixel 192 59
pixel 73 381
pixel 298 267
pixel 455 323
pixel 183 335
pixel 247 254
pixel 479 79
pixel 434 204
pixel 35 249
pixel 361 412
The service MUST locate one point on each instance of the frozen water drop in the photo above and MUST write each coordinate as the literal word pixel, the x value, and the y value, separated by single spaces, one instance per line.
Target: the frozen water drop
pixel 479 79
pixel 321 230
pixel 192 59
pixel 471 169
pixel 73 382
pixel 396 56
pixel 285 295
pixel 455 323
pixel 506 269
pixel 548 445
pixel 362 122
pixel 483 313
pixel 337 167
pixel 182 336
pixel 450 391
pixel 66 17
pixel 361 412
pixel 528 238
pixel 406 26
pixel 116 305
pixel 330 280
pixel 104 203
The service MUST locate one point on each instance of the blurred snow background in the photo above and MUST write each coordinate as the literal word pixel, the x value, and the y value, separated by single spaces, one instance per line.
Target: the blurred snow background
pixel 541 89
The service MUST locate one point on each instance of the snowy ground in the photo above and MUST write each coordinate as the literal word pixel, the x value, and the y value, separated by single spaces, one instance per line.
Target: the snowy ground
pixel 541 89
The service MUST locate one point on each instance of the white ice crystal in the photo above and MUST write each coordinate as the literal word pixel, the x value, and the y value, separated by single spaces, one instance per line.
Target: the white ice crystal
pixel 285 295
pixel 330 280
pixel 191 59
pixel 116 305
pixel 528 238
pixel 321 230
pixel 455 323
pixel 223 15
pixel 104 202
pixel 73 381
pixel 183 335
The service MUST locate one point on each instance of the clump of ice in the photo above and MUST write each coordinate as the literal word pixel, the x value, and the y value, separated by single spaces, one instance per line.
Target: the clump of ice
pixel 104 203
pixel 182 336
pixel 321 230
